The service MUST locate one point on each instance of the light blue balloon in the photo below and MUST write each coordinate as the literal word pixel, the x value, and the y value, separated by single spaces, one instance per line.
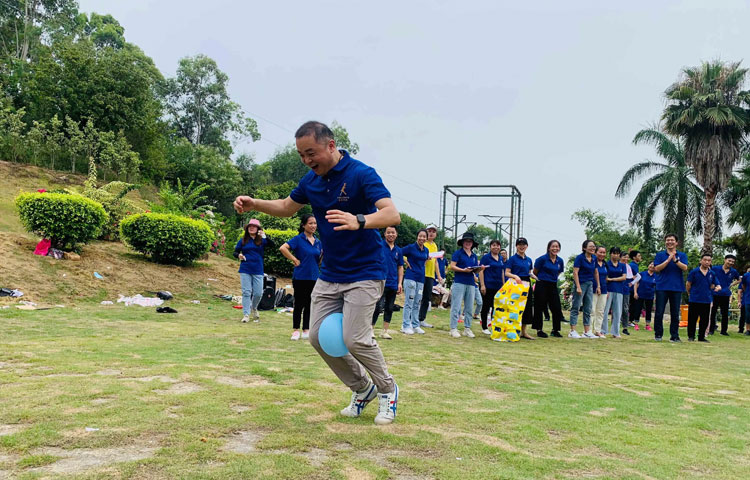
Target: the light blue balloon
pixel 331 335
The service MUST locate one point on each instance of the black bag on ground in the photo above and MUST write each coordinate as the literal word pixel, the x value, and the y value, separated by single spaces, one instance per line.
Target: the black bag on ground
pixel 280 294
pixel 269 281
pixel 288 301
pixel 267 299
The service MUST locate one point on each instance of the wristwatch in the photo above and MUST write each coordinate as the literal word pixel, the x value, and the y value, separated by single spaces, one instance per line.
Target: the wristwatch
pixel 361 220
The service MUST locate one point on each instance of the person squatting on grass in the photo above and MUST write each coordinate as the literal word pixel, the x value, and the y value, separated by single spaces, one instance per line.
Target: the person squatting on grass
pixel 669 265
pixel 547 270
pixel 305 252
pixel 585 276
pixel 701 286
pixel 518 268
pixel 350 203
pixel 249 250
pixel 616 276
pixel 600 294
pixel 394 261
pixel 463 262
pixel 727 277
pixel 416 256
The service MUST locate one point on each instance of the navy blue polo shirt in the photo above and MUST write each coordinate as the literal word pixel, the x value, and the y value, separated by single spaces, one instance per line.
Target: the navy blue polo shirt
pixel 547 270
pixel 745 284
pixel 634 269
pixel 464 261
pixel 646 286
pixel 493 276
pixel 350 186
pixel 520 266
pixel 616 271
pixel 394 258
pixel 671 278
pixel 253 263
pixel 701 285
pixel 724 279
pixel 585 268
pixel 416 259
pixel 308 255
pixel 602 277
pixel 441 267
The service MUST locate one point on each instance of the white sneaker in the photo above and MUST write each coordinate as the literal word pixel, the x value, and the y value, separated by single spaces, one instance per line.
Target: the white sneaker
pixel 385 335
pixel 295 335
pixel 454 333
pixel 425 324
pixel 246 319
pixel 468 333
pixel 407 331
pixel 419 331
pixel 388 402
pixel 486 332
pixel 305 335
pixel 256 316
pixel 573 334
pixel 360 401
pixel 589 335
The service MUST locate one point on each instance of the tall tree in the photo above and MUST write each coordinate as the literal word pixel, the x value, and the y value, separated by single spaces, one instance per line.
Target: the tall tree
pixel 708 110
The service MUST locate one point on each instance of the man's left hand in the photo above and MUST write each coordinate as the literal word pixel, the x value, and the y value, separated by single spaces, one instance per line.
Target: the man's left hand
pixel 346 220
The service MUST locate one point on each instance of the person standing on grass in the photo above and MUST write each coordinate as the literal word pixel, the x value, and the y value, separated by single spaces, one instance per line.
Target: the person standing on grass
pixel 430 274
pixel 670 283
pixel 350 203
pixel 585 277
pixel 417 256
pixel 743 299
pixel 643 292
pixel 616 276
pixel 478 302
pixel 490 281
pixel 727 277
pixel 629 276
pixel 304 251
pixel 701 285
pixel 463 263
pixel 394 261
pixel 249 250
pixel 635 306
pixel 547 270
pixel 518 268
pixel 600 294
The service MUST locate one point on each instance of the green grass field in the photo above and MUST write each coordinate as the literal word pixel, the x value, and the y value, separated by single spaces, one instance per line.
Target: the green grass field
pixel 123 392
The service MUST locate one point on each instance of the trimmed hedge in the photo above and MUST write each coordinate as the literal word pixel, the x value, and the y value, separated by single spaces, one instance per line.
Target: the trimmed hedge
pixel 65 219
pixel 167 238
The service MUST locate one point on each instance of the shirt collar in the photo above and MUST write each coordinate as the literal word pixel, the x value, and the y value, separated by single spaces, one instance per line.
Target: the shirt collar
pixel 345 158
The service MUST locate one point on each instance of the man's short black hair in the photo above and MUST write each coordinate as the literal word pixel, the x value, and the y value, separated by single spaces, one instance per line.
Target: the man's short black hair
pixel 318 130
pixel 727 257
pixel 706 255
pixel 633 253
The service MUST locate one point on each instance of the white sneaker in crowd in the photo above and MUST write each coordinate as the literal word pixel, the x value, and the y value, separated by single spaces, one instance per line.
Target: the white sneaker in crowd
pixel 573 334
pixel 295 335
pixel 589 335
pixel 486 332
pixel 419 331
pixel 256 316
pixel 246 319
pixel 425 324
pixel 388 403
pixel 360 401
pixel 407 331
pixel 454 333
pixel 305 335
pixel 468 333
pixel 384 334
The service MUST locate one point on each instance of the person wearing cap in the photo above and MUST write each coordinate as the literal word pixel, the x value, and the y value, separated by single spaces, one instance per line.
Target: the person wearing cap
pixel 464 263
pixel 249 250
pixel 547 270
pixel 430 274
pixel 728 277
pixel 350 203
pixel 416 256
pixel 518 267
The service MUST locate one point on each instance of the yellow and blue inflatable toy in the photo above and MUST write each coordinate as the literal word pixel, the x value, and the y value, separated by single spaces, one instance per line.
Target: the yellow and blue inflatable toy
pixel 510 302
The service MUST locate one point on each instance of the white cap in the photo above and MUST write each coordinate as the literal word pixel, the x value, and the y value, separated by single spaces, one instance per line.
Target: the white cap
pixel 431 227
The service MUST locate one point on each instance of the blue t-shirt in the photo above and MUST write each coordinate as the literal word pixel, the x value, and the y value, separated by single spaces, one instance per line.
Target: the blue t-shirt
pixel 547 270
pixel 701 285
pixel 464 261
pixel 745 284
pixel 634 269
pixel 394 258
pixel 646 286
pixel 493 275
pixel 616 271
pixel 602 277
pixel 724 279
pixel 519 266
pixel 671 278
pixel 253 263
pixel 585 268
pixel 350 186
pixel 441 267
pixel 416 259
pixel 308 255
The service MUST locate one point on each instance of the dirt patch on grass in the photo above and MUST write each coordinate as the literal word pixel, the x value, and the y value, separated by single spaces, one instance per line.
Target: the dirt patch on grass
pixel 182 388
pixel 101 401
pixel 243 382
pixel 602 412
pixel 640 393
pixel 320 417
pixel 82 459
pixel 352 473
pixel 109 372
pixel 10 429
pixel 486 439
pixel 244 442
pixel 241 408
pixel 152 378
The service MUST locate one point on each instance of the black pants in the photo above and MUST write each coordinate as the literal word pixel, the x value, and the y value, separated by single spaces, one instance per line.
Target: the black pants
pixel 698 311
pixel 302 292
pixel 426 298
pixel 488 301
pixel 385 304
pixel 723 304
pixel 648 305
pixel 546 295
pixel 528 313
pixel 742 318
pixel 636 305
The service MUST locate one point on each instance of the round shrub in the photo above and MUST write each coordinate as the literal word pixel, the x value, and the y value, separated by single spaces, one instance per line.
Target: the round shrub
pixel 65 219
pixel 167 238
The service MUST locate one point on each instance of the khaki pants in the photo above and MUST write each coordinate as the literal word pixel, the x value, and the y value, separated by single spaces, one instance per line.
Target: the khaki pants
pixel 600 300
pixel 357 302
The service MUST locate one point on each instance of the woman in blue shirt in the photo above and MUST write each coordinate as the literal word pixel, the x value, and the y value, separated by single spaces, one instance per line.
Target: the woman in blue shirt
pixel 584 273
pixel 600 294
pixel 305 252
pixel 616 276
pixel 547 269
pixel 249 250
pixel 416 255
pixel 518 267
pixel 644 289
pixel 490 281
pixel 743 294
pixel 464 263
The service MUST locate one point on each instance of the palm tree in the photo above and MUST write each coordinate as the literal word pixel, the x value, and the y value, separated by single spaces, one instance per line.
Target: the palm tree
pixel 736 196
pixel 672 188
pixel 708 110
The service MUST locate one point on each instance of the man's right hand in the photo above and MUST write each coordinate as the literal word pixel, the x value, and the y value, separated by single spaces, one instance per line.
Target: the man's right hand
pixel 243 204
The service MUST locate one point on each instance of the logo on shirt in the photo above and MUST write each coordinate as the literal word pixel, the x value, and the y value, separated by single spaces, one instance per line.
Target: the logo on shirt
pixel 343 196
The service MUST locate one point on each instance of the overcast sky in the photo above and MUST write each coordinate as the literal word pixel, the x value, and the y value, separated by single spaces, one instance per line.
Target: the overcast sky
pixel 544 95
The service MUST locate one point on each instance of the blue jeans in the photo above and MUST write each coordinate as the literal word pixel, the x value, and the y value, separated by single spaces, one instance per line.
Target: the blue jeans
pixel 252 290
pixel 588 299
pixel 674 298
pixel 614 301
pixel 461 293
pixel 478 300
pixel 412 301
